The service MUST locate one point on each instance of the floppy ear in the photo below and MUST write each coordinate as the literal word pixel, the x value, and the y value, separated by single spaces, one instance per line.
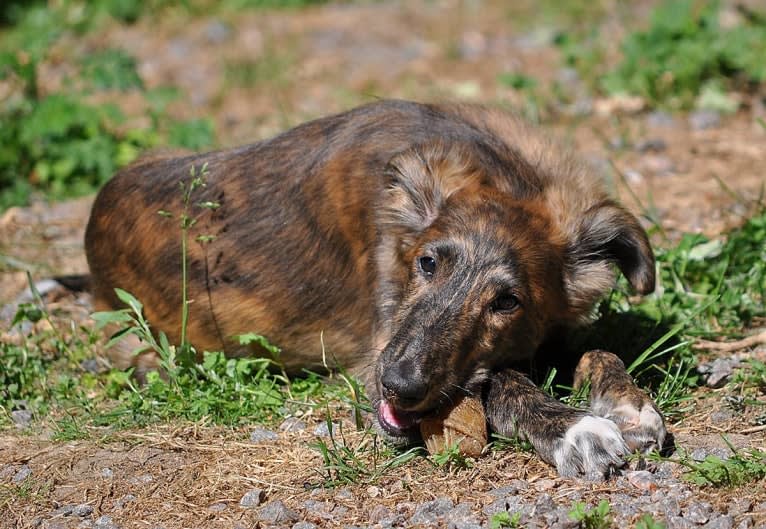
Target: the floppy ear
pixel 607 234
pixel 421 180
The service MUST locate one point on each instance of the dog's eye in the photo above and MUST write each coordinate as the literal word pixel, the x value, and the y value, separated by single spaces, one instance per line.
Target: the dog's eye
pixel 427 265
pixel 505 303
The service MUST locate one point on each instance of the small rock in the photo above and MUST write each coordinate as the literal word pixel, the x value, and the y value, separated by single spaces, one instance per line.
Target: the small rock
pixel 720 416
pixel 670 507
pixel 679 522
pixel 217 31
pixel 659 165
pixel 462 517
pixel 304 525
pixel 91 365
pixel 252 498
pixel 697 512
pixel 107 473
pixel 65 510
pixel 217 507
pixel 322 430
pixel 704 119
pixel 373 491
pixel 544 504
pixel 720 522
pixel 276 512
pixel 652 145
pixel 642 479
pixel 739 506
pixel 22 474
pixel 429 512
pixel 82 510
pixel 660 119
pixel 380 513
pixel 292 424
pixel 105 522
pixel 262 435
pixel 344 494
pixel 21 418
pixel 746 523
pixel 699 454
pixel 502 492
pixel 124 500
pixel 544 484
pixel 718 372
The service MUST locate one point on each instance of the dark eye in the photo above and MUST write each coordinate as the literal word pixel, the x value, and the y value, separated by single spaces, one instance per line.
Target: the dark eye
pixel 505 303
pixel 427 265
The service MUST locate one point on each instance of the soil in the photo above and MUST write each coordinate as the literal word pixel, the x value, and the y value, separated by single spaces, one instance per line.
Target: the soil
pixel 309 62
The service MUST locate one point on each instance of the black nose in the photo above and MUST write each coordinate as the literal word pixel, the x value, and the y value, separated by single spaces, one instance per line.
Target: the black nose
pixel 404 384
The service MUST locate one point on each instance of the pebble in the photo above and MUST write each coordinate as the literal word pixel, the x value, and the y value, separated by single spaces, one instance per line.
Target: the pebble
pixel 544 484
pixel 107 473
pixel 544 504
pixel 739 506
pixel 697 512
pixel 124 500
pixel 461 517
pixel 642 480
pixel 292 424
pixel 660 119
pixel 652 145
pixel 304 525
pixel 21 418
pixel 105 522
pixel 721 416
pixel 322 430
pixel 22 474
pixel 380 513
pixel 262 435
pixel 276 512
pixel 718 372
pixel 429 512
pixel 704 119
pixel 679 522
pixel 217 31
pixel 344 494
pixel 82 510
pixel 252 498
pixel 720 522
pixel 217 507
pixel 699 454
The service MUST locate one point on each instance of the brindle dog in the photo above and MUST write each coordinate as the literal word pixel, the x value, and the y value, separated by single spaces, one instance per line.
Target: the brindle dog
pixel 431 246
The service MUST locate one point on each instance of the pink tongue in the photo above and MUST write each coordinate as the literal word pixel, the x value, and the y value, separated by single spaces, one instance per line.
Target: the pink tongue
pixel 389 415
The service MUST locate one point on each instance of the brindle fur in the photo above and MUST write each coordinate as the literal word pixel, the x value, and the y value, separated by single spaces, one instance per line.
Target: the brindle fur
pixel 319 234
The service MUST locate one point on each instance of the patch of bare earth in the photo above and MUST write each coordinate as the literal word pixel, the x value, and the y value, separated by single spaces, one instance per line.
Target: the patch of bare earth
pixel 328 59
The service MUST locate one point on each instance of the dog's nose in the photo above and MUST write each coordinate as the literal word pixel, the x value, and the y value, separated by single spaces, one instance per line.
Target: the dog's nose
pixel 404 384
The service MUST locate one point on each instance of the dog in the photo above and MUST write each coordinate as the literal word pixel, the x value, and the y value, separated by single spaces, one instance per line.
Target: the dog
pixel 430 246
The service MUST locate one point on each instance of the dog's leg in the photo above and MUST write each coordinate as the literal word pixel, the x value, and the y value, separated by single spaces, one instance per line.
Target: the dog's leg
pixel 614 396
pixel 576 442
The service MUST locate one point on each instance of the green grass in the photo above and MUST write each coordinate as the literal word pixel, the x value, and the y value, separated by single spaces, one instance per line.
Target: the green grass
pixel 742 467
pixel 595 518
pixel 683 59
pixel 504 519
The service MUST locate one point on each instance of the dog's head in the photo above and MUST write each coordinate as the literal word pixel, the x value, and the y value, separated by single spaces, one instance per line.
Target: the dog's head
pixel 475 277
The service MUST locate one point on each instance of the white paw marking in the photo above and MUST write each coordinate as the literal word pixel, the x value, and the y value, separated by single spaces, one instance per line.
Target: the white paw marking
pixel 592 446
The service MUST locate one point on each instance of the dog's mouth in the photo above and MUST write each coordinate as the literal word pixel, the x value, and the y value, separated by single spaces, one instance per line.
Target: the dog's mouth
pixel 397 422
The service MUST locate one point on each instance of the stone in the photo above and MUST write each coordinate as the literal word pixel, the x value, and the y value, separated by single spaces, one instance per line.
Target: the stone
pixel 105 522
pixel 292 424
pixel 430 512
pixel 217 507
pixel 304 525
pixel 720 522
pixel 262 435
pixel 252 498
pixel 322 430
pixel 124 500
pixel 679 522
pixel 652 145
pixel 82 510
pixel 739 506
pixel 544 504
pixel 276 512
pixel 462 517
pixel 21 418
pixel 23 473
pixel 660 119
pixel 107 473
pixel 697 512
pixel 704 119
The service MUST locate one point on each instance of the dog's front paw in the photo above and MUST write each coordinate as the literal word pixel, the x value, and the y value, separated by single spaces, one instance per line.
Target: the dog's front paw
pixel 592 447
pixel 642 426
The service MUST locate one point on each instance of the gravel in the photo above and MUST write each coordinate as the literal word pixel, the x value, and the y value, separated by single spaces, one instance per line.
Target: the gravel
pixel 262 435
pixel 105 522
pixel 252 498
pixel 276 512
pixel 430 512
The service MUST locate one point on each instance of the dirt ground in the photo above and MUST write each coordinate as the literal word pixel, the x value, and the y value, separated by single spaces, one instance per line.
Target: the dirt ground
pixel 325 59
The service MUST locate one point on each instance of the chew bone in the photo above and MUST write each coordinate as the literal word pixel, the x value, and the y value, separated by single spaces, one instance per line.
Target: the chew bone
pixel 464 425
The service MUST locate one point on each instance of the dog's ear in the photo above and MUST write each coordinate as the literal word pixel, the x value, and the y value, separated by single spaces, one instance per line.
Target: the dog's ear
pixel 420 181
pixel 606 234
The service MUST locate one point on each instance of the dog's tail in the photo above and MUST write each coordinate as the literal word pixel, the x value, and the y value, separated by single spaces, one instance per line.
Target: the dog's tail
pixel 75 282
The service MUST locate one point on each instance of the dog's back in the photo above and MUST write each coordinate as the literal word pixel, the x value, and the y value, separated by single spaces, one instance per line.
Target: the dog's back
pixel 293 225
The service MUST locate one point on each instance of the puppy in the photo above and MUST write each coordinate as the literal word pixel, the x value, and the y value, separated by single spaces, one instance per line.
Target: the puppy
pixel 431 246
